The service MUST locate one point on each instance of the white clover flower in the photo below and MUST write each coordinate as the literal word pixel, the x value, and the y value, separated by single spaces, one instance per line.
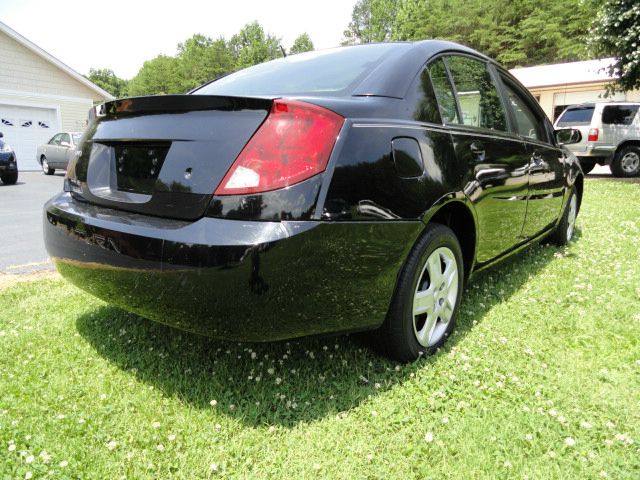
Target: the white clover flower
pixel 28 475
pixel 213 403
pixel 46 458
pixel 12 447
pixel 218 426
pixel 569 442
pixel 155 424
pixel 63 463
pixel 213 467
pixel 428 437
pixel 171 437
pixel 445 419
pixel 112 444
pixel 586 425
pixel 29 459
pixel 528 437
pixel 278 380
pixel 270 371
pixel 160 447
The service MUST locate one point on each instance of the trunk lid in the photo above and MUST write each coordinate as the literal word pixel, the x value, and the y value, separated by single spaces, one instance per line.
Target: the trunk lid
pixel 163 155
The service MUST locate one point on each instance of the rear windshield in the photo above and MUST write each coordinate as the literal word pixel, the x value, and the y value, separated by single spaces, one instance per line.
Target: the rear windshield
pixel 575 116
pixel 619 114
pixel 334 72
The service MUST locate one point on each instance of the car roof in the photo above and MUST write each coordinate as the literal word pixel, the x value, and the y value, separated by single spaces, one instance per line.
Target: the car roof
pixel 390 79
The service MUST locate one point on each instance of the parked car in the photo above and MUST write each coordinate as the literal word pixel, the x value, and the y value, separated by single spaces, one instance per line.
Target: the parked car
pixel 610 135
pixel 343 190
pixel 57 152
pixel 8 163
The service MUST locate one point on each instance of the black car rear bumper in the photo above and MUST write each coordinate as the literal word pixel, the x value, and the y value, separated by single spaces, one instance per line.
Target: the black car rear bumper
pixel 231 279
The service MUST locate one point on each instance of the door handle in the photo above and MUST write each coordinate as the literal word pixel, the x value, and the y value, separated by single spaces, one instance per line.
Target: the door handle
pixel 477 151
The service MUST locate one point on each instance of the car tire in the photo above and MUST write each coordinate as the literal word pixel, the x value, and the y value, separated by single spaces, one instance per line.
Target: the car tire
pixel 626 162
pixel 566 228
pixel 45 166
pixel 9 178
pixel 587 166
pixel 425 304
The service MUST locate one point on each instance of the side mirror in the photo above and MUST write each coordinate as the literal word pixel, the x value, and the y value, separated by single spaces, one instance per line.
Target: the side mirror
pixel 568 136
pixel 65 144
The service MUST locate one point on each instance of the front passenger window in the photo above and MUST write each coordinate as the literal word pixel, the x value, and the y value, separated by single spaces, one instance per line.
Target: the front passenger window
pixel 478 97
pixel 527 123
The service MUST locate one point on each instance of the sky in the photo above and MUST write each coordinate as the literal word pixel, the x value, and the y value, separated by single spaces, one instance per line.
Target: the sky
pixel 120 35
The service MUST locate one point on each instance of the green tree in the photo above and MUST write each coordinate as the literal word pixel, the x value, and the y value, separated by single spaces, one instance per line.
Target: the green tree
pixel 302 44
pixel 514 32
pixel 616 33
pixel 157 76
pixel 201 59
pixel 252 46
pixel 371 21
pixel 107 80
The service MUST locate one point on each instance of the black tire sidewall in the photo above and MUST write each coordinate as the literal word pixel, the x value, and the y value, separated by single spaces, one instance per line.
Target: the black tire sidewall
pixel 435 237
pixel 616 166
pixel 560 237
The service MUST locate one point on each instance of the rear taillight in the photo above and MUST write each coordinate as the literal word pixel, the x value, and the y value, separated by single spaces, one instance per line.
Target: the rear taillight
pixel 293 144
pixel 593 135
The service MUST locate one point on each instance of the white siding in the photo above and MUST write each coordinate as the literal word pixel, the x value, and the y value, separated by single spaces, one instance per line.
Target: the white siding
pixel 23 70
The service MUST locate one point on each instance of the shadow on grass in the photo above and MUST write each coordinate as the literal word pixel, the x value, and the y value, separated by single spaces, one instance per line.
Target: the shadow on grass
pixel 282 383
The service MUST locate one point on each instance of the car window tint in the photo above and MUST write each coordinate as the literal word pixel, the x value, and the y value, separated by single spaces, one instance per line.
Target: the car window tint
pixel 477 94
pixel 443 91
pixel 56 139
pixel 65 138
pixel 329 72
pixel 527 123
pixel 426 106
pixel 619 114
pixel 576 116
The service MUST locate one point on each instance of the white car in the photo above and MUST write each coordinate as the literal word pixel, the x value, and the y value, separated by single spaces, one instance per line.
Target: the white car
pixel 57 152
pixel 610 135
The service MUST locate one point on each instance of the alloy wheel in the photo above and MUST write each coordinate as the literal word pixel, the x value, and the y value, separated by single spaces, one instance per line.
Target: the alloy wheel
pixel 630 162
pixel 571 217
pixel 435 297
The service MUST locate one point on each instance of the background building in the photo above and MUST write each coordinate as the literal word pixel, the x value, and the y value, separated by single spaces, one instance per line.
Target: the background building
pixel 562 84
pixel 39 96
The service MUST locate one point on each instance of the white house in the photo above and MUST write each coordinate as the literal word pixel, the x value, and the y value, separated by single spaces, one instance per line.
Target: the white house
pixel 39 96
pixel 556 86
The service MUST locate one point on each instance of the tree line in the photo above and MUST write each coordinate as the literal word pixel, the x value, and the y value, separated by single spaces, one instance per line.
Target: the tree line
pixel 514 32
pixel 199 59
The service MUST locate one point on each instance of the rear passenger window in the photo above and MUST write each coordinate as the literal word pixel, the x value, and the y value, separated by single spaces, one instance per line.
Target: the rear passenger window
pixel 426 106
pixel 444 91
pixel 619 114
pixel 478 97
pixel 527 124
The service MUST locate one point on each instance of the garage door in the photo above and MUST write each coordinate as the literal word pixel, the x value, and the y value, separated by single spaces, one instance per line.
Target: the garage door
pixel 25 128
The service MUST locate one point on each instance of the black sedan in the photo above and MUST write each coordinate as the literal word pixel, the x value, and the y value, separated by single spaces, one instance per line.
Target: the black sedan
pixel 342 190
pixel 8 163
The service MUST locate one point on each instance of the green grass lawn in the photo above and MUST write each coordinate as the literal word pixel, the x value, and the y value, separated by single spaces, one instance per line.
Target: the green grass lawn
pixel 540 380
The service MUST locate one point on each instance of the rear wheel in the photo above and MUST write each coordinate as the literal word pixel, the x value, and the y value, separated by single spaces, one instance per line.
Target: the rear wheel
pixel 9 178
pixel 425 305
pixel 626 162
pixel 567 226
pixel 45 166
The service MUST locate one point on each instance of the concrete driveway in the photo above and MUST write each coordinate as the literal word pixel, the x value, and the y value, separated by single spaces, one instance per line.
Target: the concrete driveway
pixel 21 222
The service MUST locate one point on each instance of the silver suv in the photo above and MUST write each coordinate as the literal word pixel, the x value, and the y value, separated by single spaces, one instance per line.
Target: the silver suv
pixel 610 135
